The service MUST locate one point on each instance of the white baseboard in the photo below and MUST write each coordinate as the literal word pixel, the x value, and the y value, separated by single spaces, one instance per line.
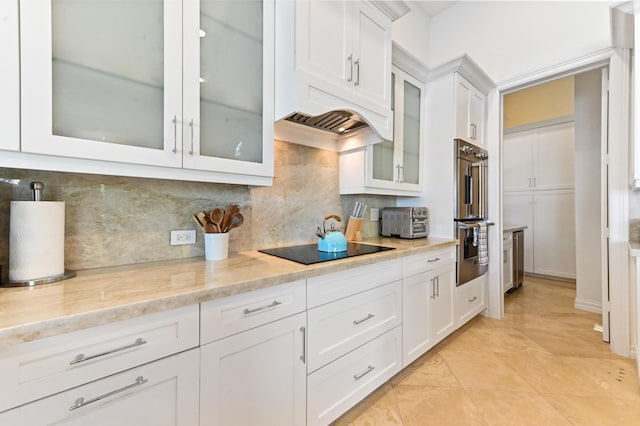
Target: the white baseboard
pixel 588 305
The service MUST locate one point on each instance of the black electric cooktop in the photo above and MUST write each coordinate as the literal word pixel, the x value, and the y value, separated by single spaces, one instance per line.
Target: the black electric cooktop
pixel 308 254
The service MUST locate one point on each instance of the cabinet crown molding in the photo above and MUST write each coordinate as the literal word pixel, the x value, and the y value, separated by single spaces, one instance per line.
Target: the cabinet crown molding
pixel 469 69
pixel 393 9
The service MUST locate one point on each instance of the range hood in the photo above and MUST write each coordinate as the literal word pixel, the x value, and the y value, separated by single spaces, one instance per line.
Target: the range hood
pixel 339 122
pixel 322 100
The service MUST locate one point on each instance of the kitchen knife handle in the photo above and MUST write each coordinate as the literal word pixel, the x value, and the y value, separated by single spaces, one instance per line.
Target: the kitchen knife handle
pixel 82 358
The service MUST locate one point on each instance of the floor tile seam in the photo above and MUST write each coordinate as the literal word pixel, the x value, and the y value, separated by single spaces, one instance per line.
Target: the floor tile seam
pixel 533 389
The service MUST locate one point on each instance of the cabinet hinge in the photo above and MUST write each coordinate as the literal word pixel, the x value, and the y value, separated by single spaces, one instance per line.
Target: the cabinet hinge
pixel 606 232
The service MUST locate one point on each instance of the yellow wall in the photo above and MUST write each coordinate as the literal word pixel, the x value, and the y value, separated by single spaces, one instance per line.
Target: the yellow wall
pixel 542 102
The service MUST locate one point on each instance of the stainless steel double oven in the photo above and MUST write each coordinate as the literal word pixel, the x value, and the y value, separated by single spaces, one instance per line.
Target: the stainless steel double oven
pixel 471 210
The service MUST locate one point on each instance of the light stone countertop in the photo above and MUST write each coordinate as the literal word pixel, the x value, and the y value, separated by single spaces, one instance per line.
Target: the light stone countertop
pixel 101 296
pixel 513 228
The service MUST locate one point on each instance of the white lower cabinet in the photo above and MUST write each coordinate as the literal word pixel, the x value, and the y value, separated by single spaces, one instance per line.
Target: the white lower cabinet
pixel 256 377
pixel 44 367
pixel 160 393
pixel 428 297
pixel 507 261
pixel 337 387
pixel 470 299
pixel 341 326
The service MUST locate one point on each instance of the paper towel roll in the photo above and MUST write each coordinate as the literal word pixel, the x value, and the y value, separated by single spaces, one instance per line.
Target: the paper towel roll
pixel 36 240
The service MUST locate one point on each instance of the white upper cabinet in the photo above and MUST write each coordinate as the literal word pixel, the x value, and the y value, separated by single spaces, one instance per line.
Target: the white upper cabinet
pixel 540 158
pixel 172 83
pixel 334 55
pixel 470 112
pixel 9 76
pixel 228 86
pixel 391 167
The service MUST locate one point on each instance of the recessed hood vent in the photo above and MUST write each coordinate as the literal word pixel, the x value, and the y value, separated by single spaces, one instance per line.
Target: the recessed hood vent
pixel 339 122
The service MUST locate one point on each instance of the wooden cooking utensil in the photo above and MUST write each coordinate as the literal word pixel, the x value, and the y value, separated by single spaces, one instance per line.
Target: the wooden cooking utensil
pixel 217 216
pixel 236 220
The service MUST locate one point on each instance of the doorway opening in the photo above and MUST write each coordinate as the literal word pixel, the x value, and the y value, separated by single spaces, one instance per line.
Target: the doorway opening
pixel 555 184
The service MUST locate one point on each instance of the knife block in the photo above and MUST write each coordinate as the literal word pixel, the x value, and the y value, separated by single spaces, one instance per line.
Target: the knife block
pixel 353 229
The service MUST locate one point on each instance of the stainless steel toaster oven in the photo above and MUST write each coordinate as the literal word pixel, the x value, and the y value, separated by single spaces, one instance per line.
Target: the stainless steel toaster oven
pixel 405 222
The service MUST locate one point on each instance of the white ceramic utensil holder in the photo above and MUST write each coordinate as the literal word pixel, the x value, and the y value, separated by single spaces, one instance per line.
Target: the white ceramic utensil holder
pixel 216 246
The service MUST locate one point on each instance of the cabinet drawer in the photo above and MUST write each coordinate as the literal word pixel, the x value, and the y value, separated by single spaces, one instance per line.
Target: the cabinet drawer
pixel 424 262
pixel 337 285
pixel 339 327
pixel 470 299
pixel 231 315
pixel 43 367
pixel 163 393
pixel 334 389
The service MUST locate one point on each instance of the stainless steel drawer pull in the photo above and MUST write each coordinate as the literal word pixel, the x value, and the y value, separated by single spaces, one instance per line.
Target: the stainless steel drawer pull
pixel 474 298
pixel 364 373
pixel 82 358
pixel 433 260
pixel 303 357
pixel 248 311
pixel 80 402
pixel 368 317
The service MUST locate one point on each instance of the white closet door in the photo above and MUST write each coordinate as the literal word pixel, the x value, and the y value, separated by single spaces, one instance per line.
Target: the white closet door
pixel 517 165
pixel 518 210
pixel 553 157
pixel 554 233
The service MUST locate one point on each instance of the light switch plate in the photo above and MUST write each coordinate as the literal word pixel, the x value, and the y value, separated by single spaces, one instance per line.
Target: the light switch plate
pixel 374 213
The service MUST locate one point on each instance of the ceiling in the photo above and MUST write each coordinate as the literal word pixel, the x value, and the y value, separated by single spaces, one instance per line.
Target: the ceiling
pixel 432 8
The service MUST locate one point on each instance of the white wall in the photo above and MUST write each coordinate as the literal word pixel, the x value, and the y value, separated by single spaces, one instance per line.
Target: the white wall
pixel 411 32
pixel 587 174
pixel 509 39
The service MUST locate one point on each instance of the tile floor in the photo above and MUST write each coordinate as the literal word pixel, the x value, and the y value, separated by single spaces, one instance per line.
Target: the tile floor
pixel 542 365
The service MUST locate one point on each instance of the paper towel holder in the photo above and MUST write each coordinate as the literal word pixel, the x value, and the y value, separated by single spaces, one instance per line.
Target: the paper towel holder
pixel 37 188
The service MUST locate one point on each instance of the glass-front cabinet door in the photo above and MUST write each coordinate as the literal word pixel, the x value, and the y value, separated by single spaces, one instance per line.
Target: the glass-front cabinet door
pixel 228 86
pixel 396 164
pixel 102 79
pixel 175 83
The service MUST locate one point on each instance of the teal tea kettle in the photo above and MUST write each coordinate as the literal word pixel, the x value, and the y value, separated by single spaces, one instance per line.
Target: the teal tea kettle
pixel 332 240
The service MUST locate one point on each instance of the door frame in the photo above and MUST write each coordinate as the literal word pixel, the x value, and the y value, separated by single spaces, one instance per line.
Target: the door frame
pixel 618 61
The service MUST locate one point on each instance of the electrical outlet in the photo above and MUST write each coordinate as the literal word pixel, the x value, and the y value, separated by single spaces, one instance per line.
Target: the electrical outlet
pixel 374 213
pixel 183 237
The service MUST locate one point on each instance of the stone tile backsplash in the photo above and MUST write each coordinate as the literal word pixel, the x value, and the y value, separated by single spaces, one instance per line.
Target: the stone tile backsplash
pixel 112 220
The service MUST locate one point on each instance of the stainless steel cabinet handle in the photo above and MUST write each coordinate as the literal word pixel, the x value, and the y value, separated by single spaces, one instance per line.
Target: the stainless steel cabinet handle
pixel 80 402
pixel 433 287
pixel 433 260
pixel 529 182
pixel 82 358
pixel 364 373
pixel 175 133
pixel 357 64
pixel 248 311
pixel 191 128
pixel 472 299
pixel 438 286
pixel 368 317
pixel 303 357
pixel 350 59
pixel 534 182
